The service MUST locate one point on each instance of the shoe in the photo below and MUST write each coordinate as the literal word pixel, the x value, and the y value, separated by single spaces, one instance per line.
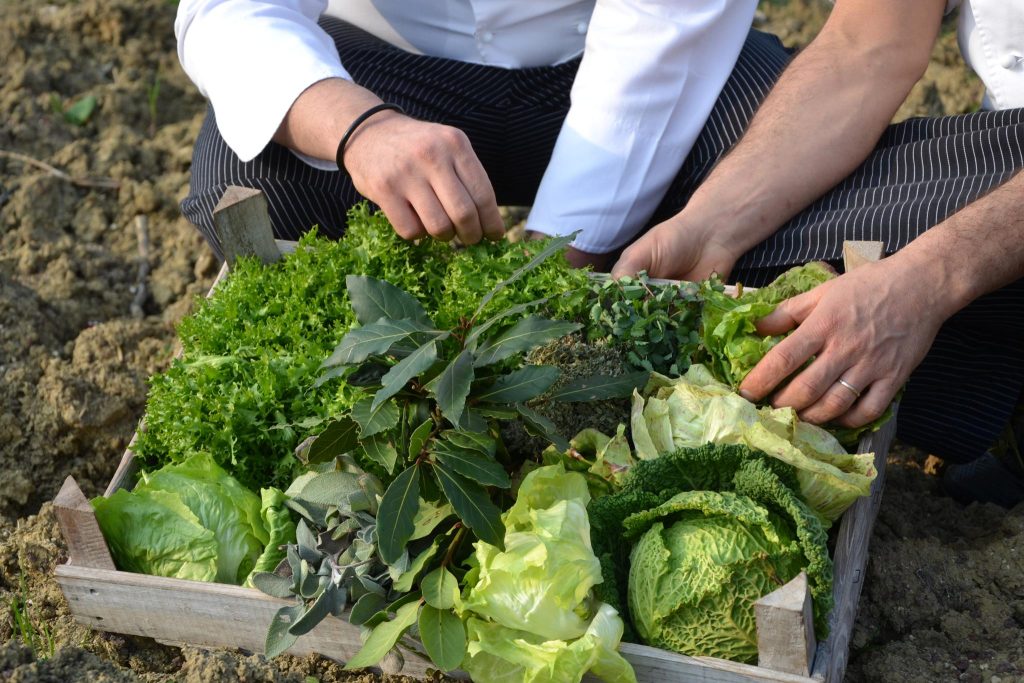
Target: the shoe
pixel 989 479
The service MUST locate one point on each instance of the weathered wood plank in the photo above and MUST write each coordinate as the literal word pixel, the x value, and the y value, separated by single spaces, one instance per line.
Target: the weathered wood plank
pixel 785 628
pixel 242 221
pixel 851 557
pixel 198 613
pixel 81 529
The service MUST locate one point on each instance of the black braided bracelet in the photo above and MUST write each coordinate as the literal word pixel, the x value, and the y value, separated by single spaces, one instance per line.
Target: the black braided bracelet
pixel 338 156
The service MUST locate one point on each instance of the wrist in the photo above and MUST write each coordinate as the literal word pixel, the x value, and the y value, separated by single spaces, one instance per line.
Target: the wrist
pixel 938 284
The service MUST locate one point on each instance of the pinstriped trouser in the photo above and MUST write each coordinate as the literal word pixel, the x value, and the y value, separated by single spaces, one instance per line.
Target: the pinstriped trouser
pixel 923 170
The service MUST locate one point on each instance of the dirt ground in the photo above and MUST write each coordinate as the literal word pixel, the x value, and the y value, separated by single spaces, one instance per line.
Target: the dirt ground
pixel 944 595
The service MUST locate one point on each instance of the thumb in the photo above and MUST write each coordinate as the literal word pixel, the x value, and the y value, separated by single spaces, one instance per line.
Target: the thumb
pixel 634 259
pixel 788 314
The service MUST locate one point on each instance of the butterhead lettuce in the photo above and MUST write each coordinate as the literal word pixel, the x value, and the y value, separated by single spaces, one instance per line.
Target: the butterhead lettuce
pixel 530 613
pixel 194 521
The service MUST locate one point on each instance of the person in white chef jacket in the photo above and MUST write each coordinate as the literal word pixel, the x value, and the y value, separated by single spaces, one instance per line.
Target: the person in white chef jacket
pixel 584 109
pixel 820 164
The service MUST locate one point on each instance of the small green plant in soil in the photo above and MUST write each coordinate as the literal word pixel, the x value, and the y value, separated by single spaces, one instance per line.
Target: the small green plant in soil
pixel 34 633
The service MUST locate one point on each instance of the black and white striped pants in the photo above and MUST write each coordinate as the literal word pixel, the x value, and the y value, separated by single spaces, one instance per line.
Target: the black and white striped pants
pixel 921 171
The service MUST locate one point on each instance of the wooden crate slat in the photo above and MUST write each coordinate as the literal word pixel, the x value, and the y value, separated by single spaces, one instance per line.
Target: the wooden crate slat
pixel 851 558
pixel 197 613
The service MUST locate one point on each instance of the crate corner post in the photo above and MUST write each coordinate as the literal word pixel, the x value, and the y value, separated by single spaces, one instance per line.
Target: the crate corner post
pixel 785 628
pixel 81 529
pixel 242 222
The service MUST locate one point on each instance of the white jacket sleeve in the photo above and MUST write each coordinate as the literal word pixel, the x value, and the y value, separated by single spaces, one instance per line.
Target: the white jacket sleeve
pixel 651 72
pixel 252 59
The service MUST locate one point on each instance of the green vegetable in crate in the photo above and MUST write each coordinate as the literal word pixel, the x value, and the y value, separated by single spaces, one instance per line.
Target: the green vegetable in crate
pixel 529 611
pixel 194 521
pixel 729 334
pixel 695 409
pixel 700 562
pixel 780 536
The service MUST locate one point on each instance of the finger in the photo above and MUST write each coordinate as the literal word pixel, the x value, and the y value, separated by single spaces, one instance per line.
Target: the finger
pixel 813 382
pixel 404 220
pixel 838 399
pixel 474 178
pixel 431 214
pixel 459 205
pixel 788 314
pixel 779 363
pixel 872 404
pixel 635 258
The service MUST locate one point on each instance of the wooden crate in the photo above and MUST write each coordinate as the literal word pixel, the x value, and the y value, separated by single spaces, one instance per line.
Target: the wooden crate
pixel 217 615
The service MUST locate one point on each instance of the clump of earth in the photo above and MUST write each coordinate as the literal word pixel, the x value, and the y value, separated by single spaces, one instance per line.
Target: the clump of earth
pixel 81 331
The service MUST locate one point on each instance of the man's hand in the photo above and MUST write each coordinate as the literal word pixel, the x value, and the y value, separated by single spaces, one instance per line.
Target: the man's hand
pixel 425 176
pixel 870 327
pixel 678 251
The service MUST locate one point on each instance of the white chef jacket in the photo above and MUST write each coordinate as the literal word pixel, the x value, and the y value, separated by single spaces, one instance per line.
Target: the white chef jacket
pixel 650 74
pixel 991 34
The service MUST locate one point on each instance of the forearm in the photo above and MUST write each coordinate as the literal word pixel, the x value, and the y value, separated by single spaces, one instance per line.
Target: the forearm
pixel 319 117
pixel 819 123
pixel 975 251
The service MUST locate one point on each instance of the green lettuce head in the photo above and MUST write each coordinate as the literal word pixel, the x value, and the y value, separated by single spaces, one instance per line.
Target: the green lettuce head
pixel 696 409
pixel 194 521
pixel 530 613
pixel 700 562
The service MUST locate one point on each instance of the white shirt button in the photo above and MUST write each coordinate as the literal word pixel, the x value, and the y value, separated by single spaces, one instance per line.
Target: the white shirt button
pixel 487 36
pixel 581 27
pixel 1010 61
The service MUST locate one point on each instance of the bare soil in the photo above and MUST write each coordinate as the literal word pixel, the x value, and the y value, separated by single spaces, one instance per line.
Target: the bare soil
pixel 944 594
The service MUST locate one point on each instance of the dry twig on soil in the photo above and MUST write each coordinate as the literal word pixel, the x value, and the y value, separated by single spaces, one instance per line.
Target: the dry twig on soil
pixel 107 183
pixel 142 232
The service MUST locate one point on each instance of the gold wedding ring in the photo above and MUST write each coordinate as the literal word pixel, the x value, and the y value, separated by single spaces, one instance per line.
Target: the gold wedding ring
pixel 855 390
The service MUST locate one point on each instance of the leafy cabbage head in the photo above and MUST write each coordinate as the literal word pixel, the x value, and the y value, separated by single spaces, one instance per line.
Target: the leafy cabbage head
pixel 701 561
pixel 690 411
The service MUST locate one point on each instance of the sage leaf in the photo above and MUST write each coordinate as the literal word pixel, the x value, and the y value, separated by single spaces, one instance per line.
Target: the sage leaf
pixel 416 363
pixel 522 385
pixel 273 585
pixel 341 436
pixel 419 438
pixel 384 637
pixel 443 636
pixel 336 371
pixel 474 466
pixel 600 387
pixel 473 506
pixel 373 299
pixel 452 386
pixel 379 449
pixel 524 335
pixel 538 425
pixel 396 514
pixel 440 588
pixel 316 613
pixel 329 488
pixel 366 607
pixel 279 638
pixel 373 339
pixel 373 417
pixel 556 244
